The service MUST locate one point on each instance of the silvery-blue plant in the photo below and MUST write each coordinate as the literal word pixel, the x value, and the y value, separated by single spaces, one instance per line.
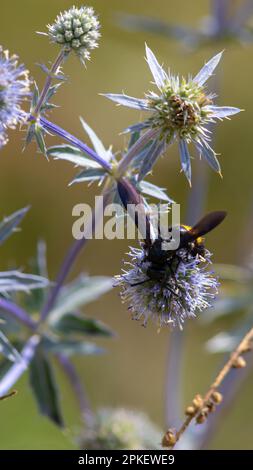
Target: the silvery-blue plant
pixel 180 111
pixel 14 90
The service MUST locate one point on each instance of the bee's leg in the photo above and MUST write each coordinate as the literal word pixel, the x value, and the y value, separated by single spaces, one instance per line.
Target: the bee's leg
pixel 172 291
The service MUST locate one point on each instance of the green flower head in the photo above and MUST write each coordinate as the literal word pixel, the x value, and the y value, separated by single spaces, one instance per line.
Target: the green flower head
pixel 76 29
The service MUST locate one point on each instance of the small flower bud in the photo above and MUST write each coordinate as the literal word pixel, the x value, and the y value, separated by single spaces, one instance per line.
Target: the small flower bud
pixel 201 418
pixel 197 402
pixel 247 348
pixel 169 439
pixel 77 29
pixel 190 411
pixel 239 363
pixel 210 407
pixel 217 397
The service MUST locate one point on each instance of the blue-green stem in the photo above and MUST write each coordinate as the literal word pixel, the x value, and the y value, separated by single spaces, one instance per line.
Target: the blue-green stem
pixel 57 63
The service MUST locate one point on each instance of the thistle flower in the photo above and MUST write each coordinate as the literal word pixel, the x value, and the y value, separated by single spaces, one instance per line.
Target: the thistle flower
pixel 14 88
pixel 76 29
pixel 181 110
pixel 181 295
pixel 121 429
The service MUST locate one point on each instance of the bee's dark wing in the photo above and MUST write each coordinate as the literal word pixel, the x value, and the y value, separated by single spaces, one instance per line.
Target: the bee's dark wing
pixel 130 196
pixel 205 225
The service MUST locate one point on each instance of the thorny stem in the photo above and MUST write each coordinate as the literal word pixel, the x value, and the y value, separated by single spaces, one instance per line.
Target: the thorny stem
pixel 243 347
pixel 57 130
pixel 59 59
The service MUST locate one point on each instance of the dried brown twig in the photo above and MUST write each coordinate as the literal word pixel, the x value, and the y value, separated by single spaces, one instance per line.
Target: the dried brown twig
pixel 200 407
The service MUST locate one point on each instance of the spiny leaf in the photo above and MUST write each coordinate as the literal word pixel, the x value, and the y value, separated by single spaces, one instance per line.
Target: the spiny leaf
pixel 7 350
pixel 9 224
pixel 96 142
pixel 91 174
pixel 72 155
pixel 12 281
pixel 44 388
pixel 155 191
pixel 71 347
pixel 74 323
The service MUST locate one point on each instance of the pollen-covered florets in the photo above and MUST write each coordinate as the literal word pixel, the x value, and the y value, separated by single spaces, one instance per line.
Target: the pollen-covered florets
pixel 121 429
pixel 181 294
pixel 14 89
pixel 180 108
pixel 76 29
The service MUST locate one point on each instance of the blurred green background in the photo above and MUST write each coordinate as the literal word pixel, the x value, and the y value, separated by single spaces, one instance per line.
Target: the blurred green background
pixel 132 373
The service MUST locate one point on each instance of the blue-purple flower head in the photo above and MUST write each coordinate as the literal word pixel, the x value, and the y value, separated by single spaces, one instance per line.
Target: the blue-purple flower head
pixel 180 295
pixel 120 429
pixel 76 29
pixel 182 110
pixel 14 89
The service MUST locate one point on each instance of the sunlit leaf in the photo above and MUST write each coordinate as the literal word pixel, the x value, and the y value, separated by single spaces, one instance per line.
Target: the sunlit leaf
pixel 185 159
pixel 159 74
pixel 207 70
pixel 72 155
pixel 155 191
pixel 153 152
pixel 129 101
pixel 91 174
pixel 96 142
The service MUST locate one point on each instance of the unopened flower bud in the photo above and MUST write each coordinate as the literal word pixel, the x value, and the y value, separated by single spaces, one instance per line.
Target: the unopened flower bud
pixel 239 363
pixel 76 29
pixel 201 418
pixel 190 411
pixel 169 439
pixel 217 397
pixel 197 402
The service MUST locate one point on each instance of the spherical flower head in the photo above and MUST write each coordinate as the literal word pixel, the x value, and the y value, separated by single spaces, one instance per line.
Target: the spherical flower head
pixel 179 295
pixel 76 29
pixel 121 429
pixel 14 89
pixel 181 109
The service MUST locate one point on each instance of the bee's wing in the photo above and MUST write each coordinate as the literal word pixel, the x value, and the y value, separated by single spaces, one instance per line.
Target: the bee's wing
pixel 205 225
pixel 129 196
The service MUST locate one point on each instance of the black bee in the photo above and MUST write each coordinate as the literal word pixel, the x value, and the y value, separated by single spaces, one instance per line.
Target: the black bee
pixel 162 261
pixel 191 239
